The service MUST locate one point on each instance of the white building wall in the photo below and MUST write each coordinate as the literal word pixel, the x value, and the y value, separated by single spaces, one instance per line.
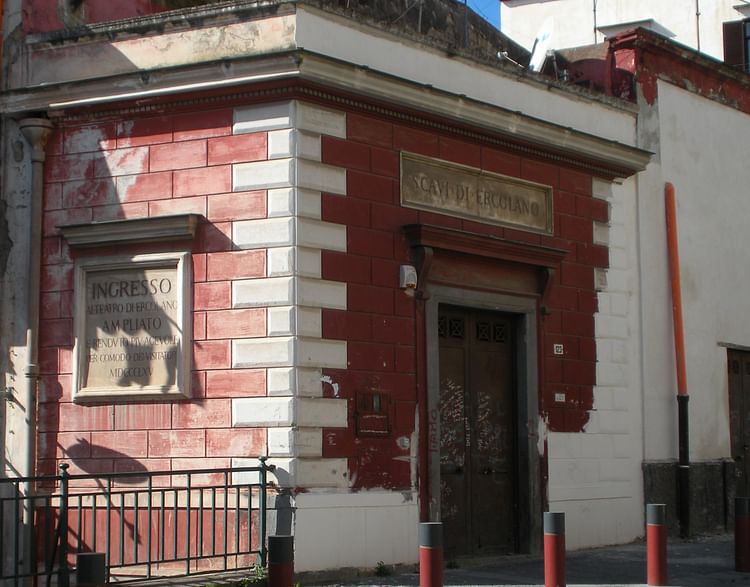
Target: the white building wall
pixel 573 20
pixel 595 477
pixel 659 381
pixel 711 182
pixel 340 530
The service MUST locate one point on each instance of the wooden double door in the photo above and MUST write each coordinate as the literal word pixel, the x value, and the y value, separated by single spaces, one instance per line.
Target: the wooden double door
pixel 478 453
pixel 738 362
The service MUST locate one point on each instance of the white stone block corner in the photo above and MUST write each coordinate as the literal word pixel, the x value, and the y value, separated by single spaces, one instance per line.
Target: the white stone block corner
pixel 263 117
pixel 315 119
pixel 294 381
pixel 300 442
pixel 309 472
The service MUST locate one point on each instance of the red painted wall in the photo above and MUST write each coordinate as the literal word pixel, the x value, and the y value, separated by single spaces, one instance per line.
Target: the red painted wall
pixel 379 323
pixel 41 16
pixel 160 165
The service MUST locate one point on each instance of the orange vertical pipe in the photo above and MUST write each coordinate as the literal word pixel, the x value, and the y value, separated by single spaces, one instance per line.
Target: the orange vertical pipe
pixel 683 434
pixel 674 274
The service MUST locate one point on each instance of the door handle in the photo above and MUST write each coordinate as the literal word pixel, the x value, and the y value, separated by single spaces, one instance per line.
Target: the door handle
pixel 487 471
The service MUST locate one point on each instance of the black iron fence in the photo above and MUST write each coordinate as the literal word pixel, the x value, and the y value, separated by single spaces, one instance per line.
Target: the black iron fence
pixel 147 524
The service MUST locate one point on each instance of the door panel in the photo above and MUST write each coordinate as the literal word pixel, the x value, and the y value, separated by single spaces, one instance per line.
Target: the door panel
pixel 452 443
pixel 492 451
pixel 477 419
pixel 738 364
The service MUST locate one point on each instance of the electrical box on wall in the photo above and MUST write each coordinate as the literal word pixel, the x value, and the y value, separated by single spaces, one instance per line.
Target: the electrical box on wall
pixel 407 277
pixel 372 415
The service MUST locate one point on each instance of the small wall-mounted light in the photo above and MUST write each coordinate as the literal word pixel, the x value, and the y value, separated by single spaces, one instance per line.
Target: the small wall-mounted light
pixel 408 277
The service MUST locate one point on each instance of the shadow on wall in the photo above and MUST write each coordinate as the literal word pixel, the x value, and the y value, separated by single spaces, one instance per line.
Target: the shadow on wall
pixel 116 170
pixel 84 455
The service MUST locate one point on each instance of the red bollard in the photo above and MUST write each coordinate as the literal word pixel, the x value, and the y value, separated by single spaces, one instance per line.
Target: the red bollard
pixel 742 534
pixel 431 554
pixel 554 549
pixel 280 561
pixel 656 543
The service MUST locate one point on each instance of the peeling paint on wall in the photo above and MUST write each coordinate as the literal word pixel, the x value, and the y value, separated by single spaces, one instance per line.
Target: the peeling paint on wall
pixel 541 442
pixel 334 386
pixel 5 241
pixel 653 58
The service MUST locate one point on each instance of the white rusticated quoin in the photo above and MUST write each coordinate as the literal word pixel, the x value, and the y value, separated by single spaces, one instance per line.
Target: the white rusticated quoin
pixel 281 411
pixel 293 351
pixel 280 232
pixel 594 475
pixel 297 202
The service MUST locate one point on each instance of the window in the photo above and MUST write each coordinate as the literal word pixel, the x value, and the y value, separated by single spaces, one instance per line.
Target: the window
pixel 737 44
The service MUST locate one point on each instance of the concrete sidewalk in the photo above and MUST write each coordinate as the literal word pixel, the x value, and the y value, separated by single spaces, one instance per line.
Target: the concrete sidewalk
pixel 700 562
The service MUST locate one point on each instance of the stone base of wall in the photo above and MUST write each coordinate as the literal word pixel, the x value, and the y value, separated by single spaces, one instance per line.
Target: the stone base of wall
pixel 348 530
pixel 712 492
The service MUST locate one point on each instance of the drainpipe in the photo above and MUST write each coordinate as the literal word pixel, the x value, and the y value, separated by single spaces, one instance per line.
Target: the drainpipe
pixel 683 479
pixel 36 131
pixel 698 24
pixel 595 23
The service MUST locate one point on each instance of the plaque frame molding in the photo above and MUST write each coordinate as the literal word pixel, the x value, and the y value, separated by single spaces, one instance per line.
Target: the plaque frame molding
pixel 181 262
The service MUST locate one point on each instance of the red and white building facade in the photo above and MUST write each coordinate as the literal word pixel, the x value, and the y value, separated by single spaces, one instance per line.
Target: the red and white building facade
pixel 398 361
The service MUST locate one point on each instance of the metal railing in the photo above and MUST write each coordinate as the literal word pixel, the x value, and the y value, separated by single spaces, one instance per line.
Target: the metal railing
pixel 148 524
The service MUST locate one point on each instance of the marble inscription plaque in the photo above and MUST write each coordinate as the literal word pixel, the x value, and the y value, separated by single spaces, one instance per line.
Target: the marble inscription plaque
pixel 458 190
pixel 131 328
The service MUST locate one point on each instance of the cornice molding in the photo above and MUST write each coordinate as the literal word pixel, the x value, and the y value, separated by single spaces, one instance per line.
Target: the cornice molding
pixel 614 159
pixel 134 230
pixel 146 87
pixel 307 75
pixel 481 245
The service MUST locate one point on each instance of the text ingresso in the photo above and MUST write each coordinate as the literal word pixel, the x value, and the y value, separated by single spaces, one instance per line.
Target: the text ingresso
pixel 130 288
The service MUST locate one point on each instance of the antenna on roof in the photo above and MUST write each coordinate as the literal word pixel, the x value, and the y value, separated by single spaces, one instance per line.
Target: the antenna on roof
pixel 542 43
pixel 504 55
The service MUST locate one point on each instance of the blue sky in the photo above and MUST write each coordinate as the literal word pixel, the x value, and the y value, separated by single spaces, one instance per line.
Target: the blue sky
pixel 489 9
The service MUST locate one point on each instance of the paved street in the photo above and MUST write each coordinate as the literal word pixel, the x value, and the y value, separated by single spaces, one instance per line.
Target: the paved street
pixel 704 562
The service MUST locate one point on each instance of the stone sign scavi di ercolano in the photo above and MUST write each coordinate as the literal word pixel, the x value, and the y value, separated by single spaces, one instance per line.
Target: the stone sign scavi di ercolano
pixel 449 188
pixel 132 327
